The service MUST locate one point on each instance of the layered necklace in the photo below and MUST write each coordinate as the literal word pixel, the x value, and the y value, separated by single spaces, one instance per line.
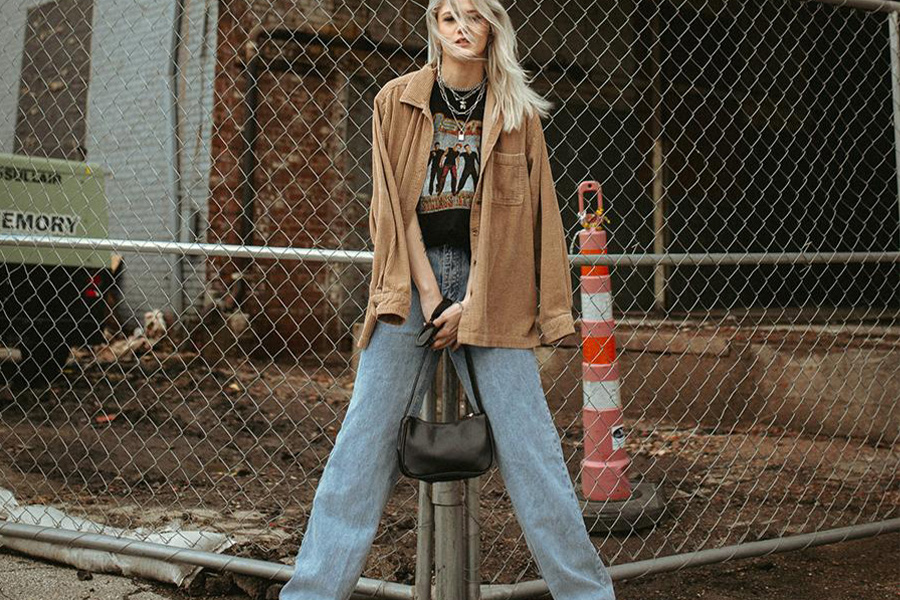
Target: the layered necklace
pixel 461 98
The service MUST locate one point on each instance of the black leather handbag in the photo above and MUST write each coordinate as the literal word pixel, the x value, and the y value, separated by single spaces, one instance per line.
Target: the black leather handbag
pixel 460 449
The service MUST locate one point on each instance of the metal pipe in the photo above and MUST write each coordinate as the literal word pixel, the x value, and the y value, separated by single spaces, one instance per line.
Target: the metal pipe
pixel 225 250
pixel 473 538
pixel 753 549
pixel 893 22
pixel 873 5
pixel 724 258
pixel 449 551
pixel 532 590
pixel 210 560
pixel 371 587
pixel 365 257
pixel 178 84
pixel 658 164
pixel 425 526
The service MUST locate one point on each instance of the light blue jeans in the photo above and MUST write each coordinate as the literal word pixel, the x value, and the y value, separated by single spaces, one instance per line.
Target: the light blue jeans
pixel 362 468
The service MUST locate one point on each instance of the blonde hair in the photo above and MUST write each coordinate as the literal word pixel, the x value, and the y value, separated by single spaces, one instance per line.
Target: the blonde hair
pixel 509 81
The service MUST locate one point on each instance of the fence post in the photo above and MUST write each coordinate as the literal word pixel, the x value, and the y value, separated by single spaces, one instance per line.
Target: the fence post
pixel 425 527
pixel 893 21
pixel 449 551
pixel 473 538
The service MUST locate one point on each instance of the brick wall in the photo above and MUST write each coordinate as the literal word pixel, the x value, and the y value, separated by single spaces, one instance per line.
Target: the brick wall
pixel 312 166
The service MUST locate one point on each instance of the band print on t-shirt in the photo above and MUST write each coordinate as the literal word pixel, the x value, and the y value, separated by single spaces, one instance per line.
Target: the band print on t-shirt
pixel 452 175
pixel 453 165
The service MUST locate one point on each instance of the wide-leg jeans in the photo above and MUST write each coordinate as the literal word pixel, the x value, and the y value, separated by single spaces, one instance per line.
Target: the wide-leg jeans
pixel 363 469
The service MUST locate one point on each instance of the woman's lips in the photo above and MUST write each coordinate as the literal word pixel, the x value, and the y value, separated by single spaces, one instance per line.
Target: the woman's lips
pixel 462 42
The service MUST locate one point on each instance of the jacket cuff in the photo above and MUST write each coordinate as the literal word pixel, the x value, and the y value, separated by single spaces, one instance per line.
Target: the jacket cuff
pixel 392 308
pixel 557 328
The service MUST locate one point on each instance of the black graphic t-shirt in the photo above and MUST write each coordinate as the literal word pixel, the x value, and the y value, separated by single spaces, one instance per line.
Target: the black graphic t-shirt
pixel 445 204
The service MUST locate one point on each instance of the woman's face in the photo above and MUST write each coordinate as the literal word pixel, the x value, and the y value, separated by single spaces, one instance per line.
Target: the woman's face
pixel 478 29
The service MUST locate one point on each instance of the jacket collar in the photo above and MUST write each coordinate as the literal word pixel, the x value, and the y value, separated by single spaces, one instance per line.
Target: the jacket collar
pixel 418 90
pixel 418 94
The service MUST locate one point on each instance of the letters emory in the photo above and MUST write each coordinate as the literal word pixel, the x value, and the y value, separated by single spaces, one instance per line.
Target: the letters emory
pixel 38 222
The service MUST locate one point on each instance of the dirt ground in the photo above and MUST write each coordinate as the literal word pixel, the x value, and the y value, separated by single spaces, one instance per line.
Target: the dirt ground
pixel 239 447
pixel 855 570
pixel 864 569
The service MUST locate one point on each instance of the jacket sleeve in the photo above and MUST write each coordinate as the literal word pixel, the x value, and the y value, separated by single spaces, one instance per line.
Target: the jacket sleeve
pixel 552 269
pixel 389 290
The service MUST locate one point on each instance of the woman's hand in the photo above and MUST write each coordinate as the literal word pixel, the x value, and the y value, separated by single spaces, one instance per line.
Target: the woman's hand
pixel 429 303
pixel 448 324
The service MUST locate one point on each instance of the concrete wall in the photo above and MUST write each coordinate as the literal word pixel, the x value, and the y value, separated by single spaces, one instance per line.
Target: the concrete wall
pixel 130 133
pixel 833 381
pixel 12 32
pixel 130 130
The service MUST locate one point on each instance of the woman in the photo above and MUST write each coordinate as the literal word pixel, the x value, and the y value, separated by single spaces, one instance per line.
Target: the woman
pixel 489 245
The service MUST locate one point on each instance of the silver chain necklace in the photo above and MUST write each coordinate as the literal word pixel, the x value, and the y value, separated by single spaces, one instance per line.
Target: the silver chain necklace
pixel 480 89
pixel 461 96
pixel 464 91
pixel 460 93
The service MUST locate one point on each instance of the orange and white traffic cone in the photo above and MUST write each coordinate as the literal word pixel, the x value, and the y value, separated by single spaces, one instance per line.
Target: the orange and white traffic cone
pixel 605 459
pixel 604 466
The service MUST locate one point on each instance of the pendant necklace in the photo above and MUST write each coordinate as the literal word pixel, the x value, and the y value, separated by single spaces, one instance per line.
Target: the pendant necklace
pixel 456 113
pixel 462 98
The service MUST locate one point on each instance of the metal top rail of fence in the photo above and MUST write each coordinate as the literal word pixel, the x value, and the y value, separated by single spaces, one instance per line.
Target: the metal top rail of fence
pixel 365 257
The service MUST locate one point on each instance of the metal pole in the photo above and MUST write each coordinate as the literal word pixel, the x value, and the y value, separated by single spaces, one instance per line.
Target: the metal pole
pixel 448 515
pixel 177 85
pixel 659 184
pixel 425 527
pixel 893 22
pixel 873 5
pixel 365 588
pixel 530 590
pixel 365 257
pixel 724 258
pixel 473 538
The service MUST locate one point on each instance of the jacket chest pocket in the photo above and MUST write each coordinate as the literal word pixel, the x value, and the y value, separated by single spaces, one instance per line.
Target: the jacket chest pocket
pixel 509 178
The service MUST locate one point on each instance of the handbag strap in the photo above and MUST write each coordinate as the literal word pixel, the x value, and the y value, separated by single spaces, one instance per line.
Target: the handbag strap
pixel 471 369
pixel 416 382
pixel 476 401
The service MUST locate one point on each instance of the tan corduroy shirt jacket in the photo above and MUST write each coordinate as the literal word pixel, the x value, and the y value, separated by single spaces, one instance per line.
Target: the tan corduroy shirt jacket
pixel 518 246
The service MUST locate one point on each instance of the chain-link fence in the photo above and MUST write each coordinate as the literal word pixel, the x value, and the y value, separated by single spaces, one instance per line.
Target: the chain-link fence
pixel 180 309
